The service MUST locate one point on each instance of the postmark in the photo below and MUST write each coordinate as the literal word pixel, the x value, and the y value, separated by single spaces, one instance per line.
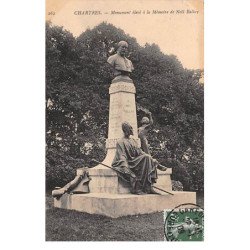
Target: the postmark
pixel 184 223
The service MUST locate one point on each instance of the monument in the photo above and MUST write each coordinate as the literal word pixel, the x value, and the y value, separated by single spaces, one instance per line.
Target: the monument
pixel 108 194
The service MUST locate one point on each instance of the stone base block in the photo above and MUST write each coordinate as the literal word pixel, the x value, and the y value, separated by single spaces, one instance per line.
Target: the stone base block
pixel 117 205
pixel 105 180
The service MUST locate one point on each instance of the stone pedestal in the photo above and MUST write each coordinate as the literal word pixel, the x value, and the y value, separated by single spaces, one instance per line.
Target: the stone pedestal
pixel 122 108
pixel 106 181
pixel 108 195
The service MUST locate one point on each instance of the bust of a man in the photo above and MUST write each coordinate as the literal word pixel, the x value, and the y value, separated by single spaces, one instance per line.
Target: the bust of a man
pixel 121 64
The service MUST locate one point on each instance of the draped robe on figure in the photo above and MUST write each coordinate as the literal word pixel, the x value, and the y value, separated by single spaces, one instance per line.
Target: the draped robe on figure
pixel 137 167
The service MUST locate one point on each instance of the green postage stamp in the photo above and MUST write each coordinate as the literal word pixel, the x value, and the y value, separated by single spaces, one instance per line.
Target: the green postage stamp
pixel 184 223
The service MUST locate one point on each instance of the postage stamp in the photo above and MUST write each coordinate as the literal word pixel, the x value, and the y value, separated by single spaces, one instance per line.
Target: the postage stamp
pixel 184 223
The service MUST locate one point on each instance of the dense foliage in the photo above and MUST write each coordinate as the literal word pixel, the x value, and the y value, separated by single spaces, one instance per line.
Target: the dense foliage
pixel 77 99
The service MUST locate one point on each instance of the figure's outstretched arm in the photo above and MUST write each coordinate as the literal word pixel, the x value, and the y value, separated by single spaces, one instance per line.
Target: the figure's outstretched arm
pixel 150 120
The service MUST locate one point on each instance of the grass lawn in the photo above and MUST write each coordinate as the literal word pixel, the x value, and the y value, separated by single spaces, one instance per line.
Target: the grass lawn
pixel 67 225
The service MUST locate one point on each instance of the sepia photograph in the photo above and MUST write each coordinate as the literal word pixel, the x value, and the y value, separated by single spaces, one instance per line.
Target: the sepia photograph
pixel 124 120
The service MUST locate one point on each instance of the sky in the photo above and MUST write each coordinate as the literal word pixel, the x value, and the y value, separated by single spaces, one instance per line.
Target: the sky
pixel 179 33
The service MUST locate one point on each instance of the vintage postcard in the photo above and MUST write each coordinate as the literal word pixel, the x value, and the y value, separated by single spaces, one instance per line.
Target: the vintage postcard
pixel 124 120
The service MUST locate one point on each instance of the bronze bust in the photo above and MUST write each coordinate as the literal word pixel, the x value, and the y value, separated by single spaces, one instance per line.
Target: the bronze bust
pixel 122 66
